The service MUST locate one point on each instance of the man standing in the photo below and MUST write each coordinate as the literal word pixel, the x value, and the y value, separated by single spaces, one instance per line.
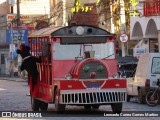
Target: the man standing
pixel 11 67
pixel 29 64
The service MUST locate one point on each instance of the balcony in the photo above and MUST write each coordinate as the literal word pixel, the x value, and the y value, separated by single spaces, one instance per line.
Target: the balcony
pixel 151 8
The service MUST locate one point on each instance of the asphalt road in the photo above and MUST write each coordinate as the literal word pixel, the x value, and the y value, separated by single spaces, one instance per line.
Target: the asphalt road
pixel 13 98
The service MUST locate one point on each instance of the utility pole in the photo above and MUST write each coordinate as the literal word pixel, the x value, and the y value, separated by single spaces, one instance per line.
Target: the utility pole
pixel 64 13
pixel 111 10
pixel 18 31
pixel 18 17
pixel 123 25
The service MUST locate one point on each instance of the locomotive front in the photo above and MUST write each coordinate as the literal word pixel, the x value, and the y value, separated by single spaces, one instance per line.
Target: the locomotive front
pixel 87 62
pixel 88 84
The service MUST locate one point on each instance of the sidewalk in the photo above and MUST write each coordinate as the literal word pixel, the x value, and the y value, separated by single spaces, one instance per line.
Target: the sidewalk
pixel 17 79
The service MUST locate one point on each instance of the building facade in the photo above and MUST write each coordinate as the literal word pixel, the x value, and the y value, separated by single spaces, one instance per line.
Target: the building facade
pixel 145 27
pixel 34 15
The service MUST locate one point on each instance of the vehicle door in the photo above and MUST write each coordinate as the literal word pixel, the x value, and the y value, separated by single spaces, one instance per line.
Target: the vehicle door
pixel 154 72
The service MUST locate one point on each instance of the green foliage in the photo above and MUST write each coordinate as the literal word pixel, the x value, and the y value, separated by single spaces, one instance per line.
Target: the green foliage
pixel 115 13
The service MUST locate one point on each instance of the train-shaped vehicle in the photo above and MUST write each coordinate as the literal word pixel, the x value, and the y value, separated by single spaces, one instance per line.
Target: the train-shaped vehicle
pixel 76 68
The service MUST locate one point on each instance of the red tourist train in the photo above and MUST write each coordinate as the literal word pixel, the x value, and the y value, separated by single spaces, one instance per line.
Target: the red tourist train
pixel 77 64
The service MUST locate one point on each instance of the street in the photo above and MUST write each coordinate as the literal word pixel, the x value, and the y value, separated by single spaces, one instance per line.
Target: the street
pixel 13 98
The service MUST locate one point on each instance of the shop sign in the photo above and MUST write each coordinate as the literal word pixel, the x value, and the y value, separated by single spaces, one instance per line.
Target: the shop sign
pixel 12 47
pixel 138 51
pixel 12 36
pixel 26 21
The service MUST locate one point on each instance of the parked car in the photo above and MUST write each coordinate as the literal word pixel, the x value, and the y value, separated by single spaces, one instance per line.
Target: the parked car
pixel 127 66
pixel 146 75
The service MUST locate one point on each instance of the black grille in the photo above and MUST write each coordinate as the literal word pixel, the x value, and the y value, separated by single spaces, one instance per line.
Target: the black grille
pixel 93 68
pixel 94 97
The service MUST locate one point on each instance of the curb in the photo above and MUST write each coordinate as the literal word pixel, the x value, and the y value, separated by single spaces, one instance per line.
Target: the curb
pixel 13 79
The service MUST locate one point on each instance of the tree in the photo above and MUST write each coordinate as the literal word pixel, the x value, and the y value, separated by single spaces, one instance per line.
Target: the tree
pixel 114 13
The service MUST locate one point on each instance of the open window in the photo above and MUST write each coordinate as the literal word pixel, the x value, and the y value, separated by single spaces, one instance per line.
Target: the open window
pixel 46 52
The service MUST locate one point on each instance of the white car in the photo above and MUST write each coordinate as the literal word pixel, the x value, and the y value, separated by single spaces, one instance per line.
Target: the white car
pixel 146 75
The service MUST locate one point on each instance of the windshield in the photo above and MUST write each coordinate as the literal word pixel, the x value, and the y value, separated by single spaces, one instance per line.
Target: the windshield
pixel 70 52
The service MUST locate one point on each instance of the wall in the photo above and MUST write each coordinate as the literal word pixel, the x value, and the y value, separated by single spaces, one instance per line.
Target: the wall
pixel 4 7
pixel 2 29
pixel 33 7
pixel 143 20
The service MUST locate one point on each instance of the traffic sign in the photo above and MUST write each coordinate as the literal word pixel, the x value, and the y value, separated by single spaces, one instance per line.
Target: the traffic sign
pixel 123 38
pixel 12 47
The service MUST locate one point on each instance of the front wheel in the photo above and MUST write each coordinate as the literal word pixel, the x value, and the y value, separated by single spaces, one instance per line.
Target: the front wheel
pixel 128 98
pixel 43 106
pixel 141 98
pixel 152 98
pixel 59 108
pixel 35 104
pixel 116 107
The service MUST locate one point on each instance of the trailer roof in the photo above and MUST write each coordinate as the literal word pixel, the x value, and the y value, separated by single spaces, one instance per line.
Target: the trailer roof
pixel 45 31
pixel 71 31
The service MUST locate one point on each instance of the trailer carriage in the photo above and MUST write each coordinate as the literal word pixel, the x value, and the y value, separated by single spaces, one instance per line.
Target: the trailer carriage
pixel 77 64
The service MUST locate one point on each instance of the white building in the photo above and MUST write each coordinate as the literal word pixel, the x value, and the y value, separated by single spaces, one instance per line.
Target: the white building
pixel 33 7
pixel 146 26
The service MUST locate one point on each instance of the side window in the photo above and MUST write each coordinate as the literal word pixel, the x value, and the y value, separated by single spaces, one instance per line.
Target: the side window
pixel 65 52
pixel 155 69
pixel 46 51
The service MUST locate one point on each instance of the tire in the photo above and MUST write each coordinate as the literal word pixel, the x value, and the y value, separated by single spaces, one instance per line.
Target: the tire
pixel 128 98
pixel 87 107
pixel 141 98
pixel 116 107
pixel 35 104
pixel 152 100
pixel 43 106
pixel 59 108
pixel 95 107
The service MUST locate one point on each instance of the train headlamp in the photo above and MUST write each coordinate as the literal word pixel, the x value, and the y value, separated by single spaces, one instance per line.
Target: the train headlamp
pixel 68 76
pixel 80 30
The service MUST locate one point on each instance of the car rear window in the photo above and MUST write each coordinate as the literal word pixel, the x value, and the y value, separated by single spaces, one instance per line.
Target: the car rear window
pixel 155 69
